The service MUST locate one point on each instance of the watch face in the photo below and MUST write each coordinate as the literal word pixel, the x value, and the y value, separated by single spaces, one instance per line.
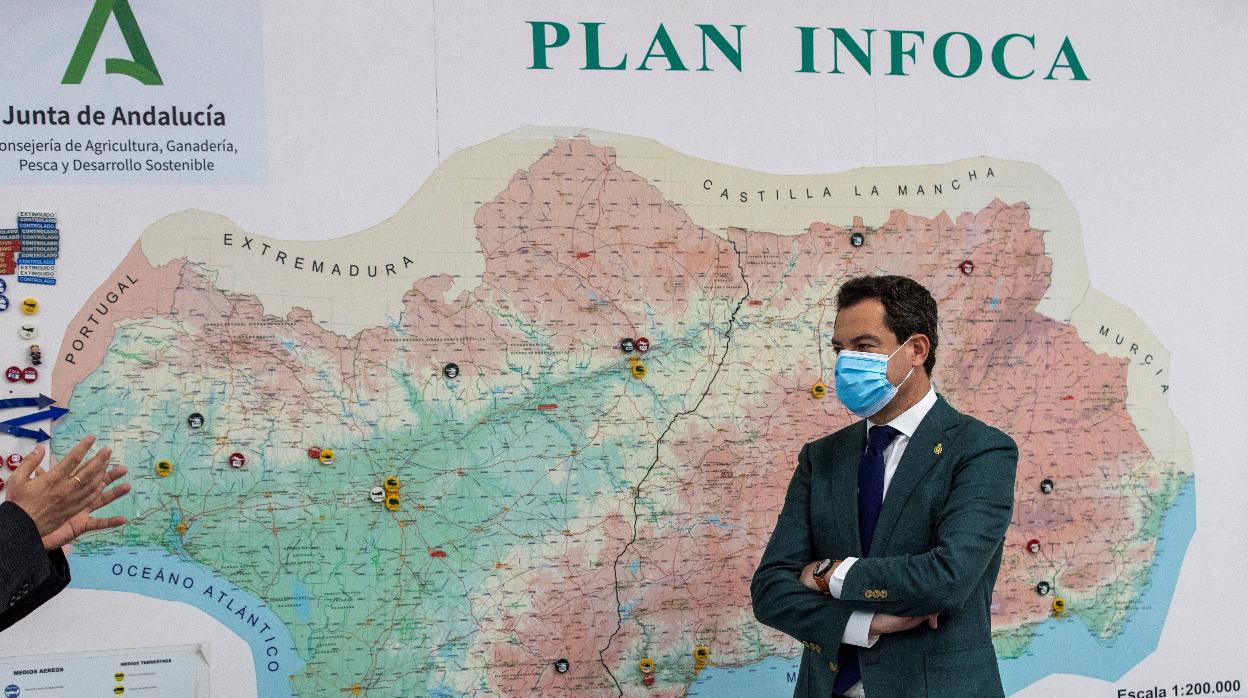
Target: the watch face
pixel 822 568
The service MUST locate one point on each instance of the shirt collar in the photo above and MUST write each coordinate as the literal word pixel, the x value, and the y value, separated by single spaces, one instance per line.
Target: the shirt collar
pixel 907 422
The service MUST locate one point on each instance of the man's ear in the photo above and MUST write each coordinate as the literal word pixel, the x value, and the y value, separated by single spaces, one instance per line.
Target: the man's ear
pixel 922 345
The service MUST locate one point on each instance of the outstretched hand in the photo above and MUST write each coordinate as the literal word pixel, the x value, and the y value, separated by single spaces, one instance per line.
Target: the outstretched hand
pixel 60 501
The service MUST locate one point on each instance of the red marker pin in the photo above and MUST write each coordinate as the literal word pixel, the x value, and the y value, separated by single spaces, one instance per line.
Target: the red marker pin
pixel 237 460
pixel 13 374
pixel 14 460
pixel 642 344
pixel 1033 546
pixel 30 375
pixel 314 452
pixel 967 267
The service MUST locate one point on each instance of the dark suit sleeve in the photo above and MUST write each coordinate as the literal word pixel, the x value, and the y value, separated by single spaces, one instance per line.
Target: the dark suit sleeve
pixel 779 597
pixel 969 533
pixel 29 575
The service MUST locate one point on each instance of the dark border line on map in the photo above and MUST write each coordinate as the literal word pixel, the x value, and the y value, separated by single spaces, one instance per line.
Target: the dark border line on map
pixel 615 567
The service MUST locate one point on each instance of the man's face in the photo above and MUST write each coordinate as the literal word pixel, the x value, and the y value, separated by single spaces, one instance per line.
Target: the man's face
pixel 860 327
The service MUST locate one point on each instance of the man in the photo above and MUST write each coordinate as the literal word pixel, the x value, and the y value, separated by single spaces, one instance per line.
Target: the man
pixel 885 554
pixel 44 511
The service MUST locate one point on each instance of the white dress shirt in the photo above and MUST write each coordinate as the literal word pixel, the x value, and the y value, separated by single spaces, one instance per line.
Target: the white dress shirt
pixel 858 629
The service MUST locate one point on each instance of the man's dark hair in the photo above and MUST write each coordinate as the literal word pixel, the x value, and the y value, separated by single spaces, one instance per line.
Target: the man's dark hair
pixel 909 308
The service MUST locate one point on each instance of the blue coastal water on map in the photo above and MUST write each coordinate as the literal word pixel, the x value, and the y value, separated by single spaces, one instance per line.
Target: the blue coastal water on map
pixel 1059 646
pixel 157 573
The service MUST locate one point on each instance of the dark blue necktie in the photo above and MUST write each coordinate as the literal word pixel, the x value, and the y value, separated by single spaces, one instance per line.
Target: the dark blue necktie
pixel 870 500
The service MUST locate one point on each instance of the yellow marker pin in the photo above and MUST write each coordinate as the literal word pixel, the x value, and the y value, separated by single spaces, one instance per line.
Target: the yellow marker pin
pixel 701 654
pixel 327 456
pixel 164 468
pixel 646 666
pixel 1059 606
pixel 639 370
pixel 355 689
pixel 181 528
pixel 940 448
pixel 819 390
pixel 30 306
pixel 119 677
pixel 393 501
pixel 391 484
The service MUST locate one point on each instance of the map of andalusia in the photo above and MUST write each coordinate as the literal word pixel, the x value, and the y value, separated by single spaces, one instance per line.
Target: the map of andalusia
pixel 548 500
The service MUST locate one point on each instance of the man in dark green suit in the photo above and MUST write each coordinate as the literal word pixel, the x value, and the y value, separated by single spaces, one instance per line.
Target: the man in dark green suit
pixel 885 554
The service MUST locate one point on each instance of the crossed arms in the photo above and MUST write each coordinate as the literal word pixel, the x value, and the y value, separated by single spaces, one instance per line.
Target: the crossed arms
pixel 969 529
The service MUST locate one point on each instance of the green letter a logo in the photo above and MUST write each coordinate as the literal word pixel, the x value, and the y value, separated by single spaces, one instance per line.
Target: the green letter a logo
pixel 142 68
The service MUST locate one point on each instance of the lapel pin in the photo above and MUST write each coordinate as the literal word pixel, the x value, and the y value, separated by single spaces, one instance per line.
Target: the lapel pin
pixel 940 448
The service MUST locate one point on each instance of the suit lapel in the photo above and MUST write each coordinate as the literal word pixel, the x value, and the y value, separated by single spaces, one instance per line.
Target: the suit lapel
pixel 844 486
pixel 919 457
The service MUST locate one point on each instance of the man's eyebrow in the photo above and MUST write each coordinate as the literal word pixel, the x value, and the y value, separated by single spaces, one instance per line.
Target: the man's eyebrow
pixel 861 338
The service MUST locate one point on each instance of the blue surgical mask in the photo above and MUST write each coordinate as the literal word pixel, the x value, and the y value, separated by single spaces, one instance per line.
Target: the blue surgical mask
pixel 862 381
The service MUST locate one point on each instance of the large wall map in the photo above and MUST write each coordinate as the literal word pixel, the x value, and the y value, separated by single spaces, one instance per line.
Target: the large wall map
pixel 309 469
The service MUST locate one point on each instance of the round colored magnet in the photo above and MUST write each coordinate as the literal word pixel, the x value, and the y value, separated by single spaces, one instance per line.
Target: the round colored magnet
pixel 237 460
pixel 561 666
pixel 648 679
pixel 639 370
pixel 392 501
pixel 627 345
pixel 327 456
pixel 4 286
pixel 377 495
pixel 30 306
pixel 195 420
pixel 646 666
pixel 819 390
pixel 314 452
pixel 1033 546
pixel 13 374
pixel 1059 606
pixel 701 653
pixel 4 303
pixel 857 239
pixel 30 374
pixel 642 345
pixel 967 267
pixel 27 331
pixel 164 468
pixel 391 484
pixel 14 460
pixel 1043 588
pixel 1046 485
pixel 451 371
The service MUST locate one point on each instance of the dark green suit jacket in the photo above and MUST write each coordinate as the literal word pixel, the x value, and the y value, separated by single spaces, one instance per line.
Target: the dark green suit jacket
pixel 937 549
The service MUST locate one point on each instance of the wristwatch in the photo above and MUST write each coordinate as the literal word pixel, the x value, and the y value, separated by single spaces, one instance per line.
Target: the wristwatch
pixel 823 569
